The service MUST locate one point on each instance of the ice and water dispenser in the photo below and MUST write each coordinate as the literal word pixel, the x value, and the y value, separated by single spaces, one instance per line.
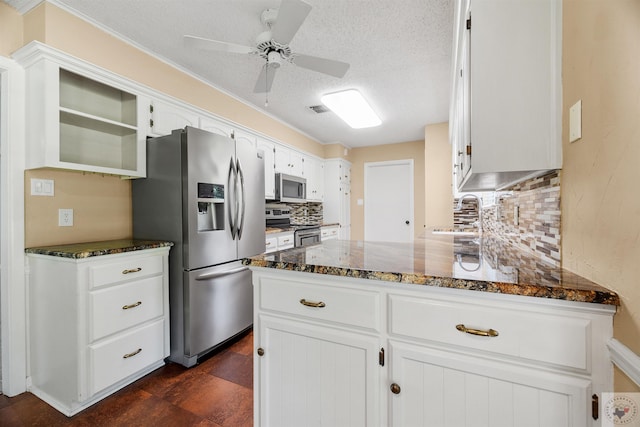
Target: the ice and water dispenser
pixel 210 207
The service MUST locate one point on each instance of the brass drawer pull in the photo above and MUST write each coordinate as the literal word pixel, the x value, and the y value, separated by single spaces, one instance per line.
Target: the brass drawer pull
pixel 488 333
pixel 128 355
pixel 128 306
pixel 319 304
pixel 132 270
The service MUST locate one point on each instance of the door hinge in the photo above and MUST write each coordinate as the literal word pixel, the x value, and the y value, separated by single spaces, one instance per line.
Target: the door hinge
pixel 150 108
pixel 468 150
pixel 381 357
pixel 150 122
pixel 469 24
pixel 595 407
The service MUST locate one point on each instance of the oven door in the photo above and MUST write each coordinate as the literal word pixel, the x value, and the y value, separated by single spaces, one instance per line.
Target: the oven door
pixel 307 237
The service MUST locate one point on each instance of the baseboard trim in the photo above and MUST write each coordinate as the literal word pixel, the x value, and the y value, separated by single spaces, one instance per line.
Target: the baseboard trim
pixel 625 359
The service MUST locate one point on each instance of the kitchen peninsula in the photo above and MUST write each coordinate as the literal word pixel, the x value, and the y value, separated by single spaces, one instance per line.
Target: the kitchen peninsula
pixel 434 332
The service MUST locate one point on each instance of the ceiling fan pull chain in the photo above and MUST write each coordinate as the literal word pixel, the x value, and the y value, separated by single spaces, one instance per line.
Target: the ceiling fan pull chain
pixel 266 84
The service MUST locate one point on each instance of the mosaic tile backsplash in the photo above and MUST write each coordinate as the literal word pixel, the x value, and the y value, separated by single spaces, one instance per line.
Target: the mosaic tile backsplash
pixel 309 213
pixel 537 228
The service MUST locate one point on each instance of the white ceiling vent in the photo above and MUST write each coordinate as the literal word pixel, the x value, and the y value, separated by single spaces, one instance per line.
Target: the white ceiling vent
pixel 319 108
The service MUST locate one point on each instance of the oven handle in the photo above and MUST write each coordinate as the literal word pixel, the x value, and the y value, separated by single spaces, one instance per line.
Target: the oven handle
pixel 216 274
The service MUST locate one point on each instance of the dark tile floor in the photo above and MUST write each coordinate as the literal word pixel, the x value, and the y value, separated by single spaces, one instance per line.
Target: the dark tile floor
pixel 216 392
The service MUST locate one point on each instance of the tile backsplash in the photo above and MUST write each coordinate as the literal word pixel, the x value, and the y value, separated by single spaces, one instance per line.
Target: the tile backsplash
pixel 309 213
pixel 527 215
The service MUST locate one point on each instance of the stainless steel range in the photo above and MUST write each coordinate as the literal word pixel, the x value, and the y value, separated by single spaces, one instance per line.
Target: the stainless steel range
pixel 279 216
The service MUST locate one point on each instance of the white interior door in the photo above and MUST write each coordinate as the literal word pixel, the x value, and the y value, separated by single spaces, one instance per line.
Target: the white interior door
pixel 388 201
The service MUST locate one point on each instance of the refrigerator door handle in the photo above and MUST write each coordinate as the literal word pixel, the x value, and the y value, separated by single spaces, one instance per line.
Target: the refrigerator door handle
pixel 209 276
pixel 231 199
pixel 240 221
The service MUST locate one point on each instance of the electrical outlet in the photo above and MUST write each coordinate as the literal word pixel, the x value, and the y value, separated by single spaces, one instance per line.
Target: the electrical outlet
pixel 65 217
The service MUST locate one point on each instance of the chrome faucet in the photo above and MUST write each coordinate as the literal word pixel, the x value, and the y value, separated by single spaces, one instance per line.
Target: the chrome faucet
pixel 479 200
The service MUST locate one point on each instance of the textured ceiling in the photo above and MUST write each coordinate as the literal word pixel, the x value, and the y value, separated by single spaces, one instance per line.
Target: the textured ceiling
pixel 399 51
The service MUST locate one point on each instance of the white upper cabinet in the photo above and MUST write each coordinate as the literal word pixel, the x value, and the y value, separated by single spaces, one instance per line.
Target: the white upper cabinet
pixel 164 118
pixel 215 126
pixel 506 100
pixel 267 148
pixel 289 161
pixel 80 117
pixel 314 172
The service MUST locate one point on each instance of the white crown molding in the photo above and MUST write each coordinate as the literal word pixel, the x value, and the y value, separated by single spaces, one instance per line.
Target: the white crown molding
pixel 23 6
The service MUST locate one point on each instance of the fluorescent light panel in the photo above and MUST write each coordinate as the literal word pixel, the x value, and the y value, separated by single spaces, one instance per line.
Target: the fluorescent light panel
pixel 351 107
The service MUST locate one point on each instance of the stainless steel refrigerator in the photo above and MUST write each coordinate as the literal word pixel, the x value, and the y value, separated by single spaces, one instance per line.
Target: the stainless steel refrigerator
pixel 205 193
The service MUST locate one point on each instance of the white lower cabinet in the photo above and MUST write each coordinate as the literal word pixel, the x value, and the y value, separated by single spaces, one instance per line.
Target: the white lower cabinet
pixel 336 351
pixel 95 324
pixel 312 375
pixel 435 387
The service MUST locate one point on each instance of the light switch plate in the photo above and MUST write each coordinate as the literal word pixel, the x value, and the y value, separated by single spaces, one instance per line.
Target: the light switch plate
pixel 575 121
pixel 41 187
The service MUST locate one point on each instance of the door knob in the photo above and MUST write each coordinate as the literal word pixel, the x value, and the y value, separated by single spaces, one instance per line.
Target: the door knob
pixel 395 388
pixel 406 222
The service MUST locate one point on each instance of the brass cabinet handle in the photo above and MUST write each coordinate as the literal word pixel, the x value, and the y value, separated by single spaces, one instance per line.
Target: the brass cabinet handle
pixel 318 304
pixel 128 355
pixel 260 351
pixel 131 270
pixel 128 306
pixel 395 388
pixel 487 333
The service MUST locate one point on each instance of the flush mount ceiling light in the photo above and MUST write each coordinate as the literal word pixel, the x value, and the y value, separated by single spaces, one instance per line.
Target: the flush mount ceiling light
pixel 351 107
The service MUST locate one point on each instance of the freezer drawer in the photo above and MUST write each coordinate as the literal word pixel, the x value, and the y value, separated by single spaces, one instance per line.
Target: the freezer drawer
pixel 220 305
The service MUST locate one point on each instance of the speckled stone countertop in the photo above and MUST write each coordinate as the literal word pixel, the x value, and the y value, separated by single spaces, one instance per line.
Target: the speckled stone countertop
pixel 91 249
pixel 486 265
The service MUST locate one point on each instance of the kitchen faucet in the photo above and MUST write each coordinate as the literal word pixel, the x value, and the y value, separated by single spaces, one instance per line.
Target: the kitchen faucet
pixel 459 207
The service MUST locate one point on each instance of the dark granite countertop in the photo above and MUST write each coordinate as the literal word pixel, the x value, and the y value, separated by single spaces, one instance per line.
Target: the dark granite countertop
pixel 488 265
pixel 91 249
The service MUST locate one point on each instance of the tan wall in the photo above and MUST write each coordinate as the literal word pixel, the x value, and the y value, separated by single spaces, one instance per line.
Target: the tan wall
pixel 10 29
pixel 101 208
pixel 438 184
pixel 337 151
pixel 600 177
pixel 359 156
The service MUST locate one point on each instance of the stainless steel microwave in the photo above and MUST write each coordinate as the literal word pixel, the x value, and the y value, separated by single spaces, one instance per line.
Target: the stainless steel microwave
pixel 291 189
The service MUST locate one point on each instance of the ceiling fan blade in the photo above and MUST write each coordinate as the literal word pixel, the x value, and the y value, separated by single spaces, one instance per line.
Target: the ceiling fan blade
pixel 265 79
pixel 216 45
pixel 291 15
pixel 321 65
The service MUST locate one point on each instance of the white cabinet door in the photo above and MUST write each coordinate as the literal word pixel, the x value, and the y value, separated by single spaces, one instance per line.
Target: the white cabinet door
pixel 512 99
pixel 337 195
pixel 429 387
pixel 267 148
pixel 314 172
pixel 315 376
pixel 165 118
pixel 215 126
pixel 288 161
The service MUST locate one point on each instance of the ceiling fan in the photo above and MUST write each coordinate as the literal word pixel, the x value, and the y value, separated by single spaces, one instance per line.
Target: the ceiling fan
pixel 273 45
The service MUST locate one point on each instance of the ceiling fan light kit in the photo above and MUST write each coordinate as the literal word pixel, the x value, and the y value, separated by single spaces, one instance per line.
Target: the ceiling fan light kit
pixel 351 107
pixel 273 45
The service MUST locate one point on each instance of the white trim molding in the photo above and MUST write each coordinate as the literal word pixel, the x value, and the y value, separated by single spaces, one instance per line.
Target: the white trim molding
pixel 625 359
pixel 13 299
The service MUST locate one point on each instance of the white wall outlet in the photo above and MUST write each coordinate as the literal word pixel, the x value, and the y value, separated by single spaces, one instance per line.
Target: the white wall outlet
pixel 41 187
pixel 360 202
pixel 65 217
pixel 575 121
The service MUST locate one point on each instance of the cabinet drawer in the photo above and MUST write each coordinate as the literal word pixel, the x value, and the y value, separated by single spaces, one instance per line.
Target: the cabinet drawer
pixel 543 337
pixel 116 358
pixel 271 244
pixel 329 233
pixel 119 307
pixel 126 269
pixel 346 306
pixel 285 242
